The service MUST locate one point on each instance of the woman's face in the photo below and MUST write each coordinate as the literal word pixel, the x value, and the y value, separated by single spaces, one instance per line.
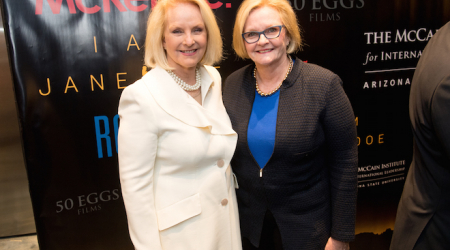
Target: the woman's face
pixel 266 52
pixel 185 36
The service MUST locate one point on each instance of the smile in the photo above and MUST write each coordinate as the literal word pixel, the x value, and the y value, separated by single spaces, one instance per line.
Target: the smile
pixel 188 51
pixel 265 51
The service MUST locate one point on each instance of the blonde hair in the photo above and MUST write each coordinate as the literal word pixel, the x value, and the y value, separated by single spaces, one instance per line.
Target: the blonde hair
pixel 287 16
pixel 155 54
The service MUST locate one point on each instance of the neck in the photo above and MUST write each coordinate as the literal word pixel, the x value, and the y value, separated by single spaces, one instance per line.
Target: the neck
pixel 186 74
pixel 270 76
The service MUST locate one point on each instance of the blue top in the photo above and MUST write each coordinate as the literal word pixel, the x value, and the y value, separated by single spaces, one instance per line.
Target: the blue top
pixel 262 127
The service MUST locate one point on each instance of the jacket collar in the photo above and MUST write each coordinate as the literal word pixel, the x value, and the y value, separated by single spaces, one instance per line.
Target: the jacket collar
pixel 179 104
pixel 294 76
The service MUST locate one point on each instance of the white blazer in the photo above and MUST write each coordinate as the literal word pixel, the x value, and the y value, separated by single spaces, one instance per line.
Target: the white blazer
pixel 174 161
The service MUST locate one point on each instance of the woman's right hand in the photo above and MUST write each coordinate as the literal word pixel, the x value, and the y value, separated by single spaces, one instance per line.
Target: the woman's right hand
pixel 333 244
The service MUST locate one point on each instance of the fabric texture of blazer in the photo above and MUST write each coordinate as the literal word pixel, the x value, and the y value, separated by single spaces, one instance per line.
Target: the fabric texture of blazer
pixel 174 162
pixel 423 215
pixel 310 182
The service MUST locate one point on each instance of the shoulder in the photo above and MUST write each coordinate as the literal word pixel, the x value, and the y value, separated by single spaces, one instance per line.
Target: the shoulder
pixel 133 89
pixel 315 84
pixel 215 76
pixel 212 72
pixel 312 81
pixel 237 79
pixel 316 74
pixel 139 89
pixel 433 65
pixel 239 74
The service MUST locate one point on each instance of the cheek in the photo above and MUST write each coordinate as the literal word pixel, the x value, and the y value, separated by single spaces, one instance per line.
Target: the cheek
pixel 248 47
pixel 281 44
pixel 287 41
pixel 171 43
pixel 203 40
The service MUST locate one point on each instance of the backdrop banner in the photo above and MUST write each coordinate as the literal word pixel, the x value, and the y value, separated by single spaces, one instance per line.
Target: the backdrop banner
pixel 71 59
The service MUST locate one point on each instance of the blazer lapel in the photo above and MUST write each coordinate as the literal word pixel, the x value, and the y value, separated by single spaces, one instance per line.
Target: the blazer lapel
pixel 179 104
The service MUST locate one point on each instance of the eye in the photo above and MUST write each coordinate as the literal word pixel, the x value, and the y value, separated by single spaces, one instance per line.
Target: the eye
pixel 272 30
pixel 198 30
pixel 251 34
pixel 177 31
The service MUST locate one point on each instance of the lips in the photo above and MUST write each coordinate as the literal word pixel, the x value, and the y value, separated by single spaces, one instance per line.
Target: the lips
pixel 188 51
pixel 264 51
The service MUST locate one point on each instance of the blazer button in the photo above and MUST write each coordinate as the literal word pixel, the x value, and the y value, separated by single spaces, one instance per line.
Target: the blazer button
pixel 220 163
pixel 224 202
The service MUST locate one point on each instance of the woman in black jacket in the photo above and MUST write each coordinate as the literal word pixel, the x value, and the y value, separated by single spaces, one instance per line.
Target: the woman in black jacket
pixel 296 156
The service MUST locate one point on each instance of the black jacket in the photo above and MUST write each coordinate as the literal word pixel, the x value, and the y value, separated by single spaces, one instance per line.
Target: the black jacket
pixel 310 181
pixel 423 215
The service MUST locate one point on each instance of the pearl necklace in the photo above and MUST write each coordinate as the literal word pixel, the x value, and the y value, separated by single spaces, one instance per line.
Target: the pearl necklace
pixel 278 87
pixel 183 84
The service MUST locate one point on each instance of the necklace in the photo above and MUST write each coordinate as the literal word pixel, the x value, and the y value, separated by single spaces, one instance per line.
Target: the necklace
pixel 278 87
pixel 183 84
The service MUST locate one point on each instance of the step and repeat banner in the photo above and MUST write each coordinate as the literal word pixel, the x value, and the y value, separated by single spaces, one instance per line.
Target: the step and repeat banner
pixel 71 59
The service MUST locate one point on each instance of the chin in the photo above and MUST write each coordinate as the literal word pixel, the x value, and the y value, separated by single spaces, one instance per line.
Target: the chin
pixel 189 64
pixel 264 61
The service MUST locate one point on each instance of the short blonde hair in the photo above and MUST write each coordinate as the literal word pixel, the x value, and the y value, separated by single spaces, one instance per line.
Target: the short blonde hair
pixel 287 16
pixel 155 54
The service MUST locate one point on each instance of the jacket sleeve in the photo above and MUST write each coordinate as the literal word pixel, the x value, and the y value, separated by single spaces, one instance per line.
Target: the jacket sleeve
pixel 342 158
pixel 137 143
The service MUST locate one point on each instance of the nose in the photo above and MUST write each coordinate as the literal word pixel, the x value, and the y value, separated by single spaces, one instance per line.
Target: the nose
pixel 188 40
pixel 262 39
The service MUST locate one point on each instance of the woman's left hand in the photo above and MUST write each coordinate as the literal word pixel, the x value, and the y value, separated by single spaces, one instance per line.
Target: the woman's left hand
pixel 333 244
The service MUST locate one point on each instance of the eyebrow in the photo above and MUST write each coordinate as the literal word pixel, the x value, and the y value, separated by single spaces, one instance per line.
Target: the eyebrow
pixel 202 25
pixel 249 30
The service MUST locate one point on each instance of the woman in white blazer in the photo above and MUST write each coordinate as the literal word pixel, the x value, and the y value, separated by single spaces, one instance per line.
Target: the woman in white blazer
pixel 175 137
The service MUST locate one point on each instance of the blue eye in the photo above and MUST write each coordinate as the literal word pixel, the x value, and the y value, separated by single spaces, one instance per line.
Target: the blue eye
pixel 251 34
